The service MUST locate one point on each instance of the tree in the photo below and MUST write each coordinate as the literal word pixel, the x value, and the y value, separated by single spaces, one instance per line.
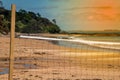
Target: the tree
pixel 38 15
pixel 54 21
pixel 19 26
pixel 32 27
pixel 28 22
pixel 3 25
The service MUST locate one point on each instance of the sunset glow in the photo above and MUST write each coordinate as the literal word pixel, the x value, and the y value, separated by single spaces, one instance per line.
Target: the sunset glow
pixel 91 17
pixel 96 15
pixel 108 8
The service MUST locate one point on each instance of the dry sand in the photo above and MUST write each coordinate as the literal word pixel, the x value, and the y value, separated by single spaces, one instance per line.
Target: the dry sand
pixel 42 60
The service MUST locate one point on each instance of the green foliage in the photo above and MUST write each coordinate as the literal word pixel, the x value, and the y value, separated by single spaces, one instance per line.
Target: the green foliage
pixel 53 29
pixel 32 27
pixel 4 29
pixel 29 22
pixel 19 26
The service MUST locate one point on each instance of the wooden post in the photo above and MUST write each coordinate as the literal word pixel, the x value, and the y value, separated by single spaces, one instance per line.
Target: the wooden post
pixel 12 36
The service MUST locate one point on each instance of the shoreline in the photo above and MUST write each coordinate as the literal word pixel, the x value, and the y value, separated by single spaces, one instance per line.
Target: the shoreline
pixel 98 44
pixel 42 60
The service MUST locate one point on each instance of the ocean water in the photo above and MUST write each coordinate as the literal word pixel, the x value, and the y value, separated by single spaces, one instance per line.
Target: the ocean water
pixel 94 43
pixel 102 38
pixel 108 44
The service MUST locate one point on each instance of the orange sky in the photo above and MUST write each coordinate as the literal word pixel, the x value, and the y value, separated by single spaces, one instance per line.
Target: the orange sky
pixel 92 14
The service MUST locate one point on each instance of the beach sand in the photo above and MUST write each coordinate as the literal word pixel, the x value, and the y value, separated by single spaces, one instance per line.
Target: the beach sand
pixel 42 60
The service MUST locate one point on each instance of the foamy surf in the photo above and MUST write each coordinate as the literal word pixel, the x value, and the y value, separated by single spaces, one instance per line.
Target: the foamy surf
pixel 110 45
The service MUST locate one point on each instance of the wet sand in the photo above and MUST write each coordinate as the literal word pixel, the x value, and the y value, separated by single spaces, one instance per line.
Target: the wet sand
pixel 42 60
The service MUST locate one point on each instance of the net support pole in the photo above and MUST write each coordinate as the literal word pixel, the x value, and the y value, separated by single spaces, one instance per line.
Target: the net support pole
pixel 12 36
